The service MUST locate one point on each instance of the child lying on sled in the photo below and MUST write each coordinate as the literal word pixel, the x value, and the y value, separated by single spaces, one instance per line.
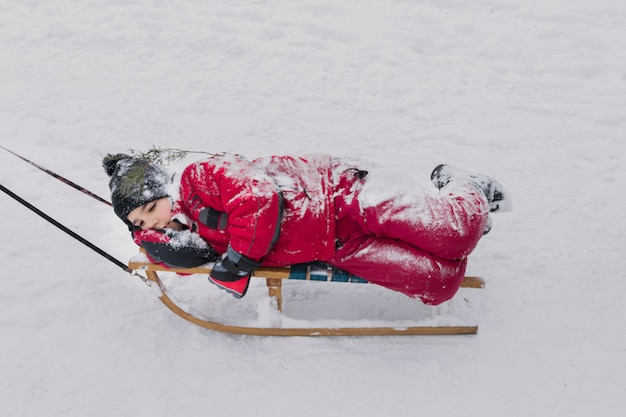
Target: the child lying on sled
pixel 283 210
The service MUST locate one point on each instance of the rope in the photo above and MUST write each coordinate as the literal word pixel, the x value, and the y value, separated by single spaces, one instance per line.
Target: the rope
pixel 65 229
pixel 60 178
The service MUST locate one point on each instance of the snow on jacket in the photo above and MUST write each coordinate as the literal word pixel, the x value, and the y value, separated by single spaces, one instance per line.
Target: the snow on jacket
pixel 277 210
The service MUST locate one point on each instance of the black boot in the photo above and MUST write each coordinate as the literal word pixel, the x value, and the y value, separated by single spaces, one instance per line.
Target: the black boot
pixel 497 197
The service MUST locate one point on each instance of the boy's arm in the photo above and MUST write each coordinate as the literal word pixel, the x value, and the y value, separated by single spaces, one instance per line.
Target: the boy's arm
pixel 248 198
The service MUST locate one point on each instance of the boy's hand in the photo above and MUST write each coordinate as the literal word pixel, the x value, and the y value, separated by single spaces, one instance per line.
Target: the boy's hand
pixel 225 270
pixel 232 273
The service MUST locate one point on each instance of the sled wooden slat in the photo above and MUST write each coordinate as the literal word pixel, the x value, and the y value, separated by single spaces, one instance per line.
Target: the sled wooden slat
pixel 264 272
pixel 274 277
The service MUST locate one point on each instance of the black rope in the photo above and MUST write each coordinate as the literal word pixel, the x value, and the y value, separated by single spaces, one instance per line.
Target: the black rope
pixel 65 229
pixel 59 177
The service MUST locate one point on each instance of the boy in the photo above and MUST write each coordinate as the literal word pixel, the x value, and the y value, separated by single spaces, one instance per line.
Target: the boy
pixel 284 210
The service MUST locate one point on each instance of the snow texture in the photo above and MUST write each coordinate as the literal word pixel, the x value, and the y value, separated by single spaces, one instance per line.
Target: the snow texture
pixel 530 92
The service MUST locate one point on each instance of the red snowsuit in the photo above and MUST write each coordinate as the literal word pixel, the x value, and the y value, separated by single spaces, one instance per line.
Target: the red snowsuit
pixel 284 210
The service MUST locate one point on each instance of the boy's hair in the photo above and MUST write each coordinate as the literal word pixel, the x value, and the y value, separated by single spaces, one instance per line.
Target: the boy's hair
pixel 134 182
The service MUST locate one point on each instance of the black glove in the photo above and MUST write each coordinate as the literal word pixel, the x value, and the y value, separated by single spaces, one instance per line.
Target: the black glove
pixel 233 267
pixel 175 248
pixel 233 272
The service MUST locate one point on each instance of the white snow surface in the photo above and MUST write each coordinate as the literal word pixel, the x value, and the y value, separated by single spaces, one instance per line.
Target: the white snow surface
pixel 532 92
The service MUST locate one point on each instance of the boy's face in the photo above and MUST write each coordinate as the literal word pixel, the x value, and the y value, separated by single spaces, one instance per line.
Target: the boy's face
pixel 153 215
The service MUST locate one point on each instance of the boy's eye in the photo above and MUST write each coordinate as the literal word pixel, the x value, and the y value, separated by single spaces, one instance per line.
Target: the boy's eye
pixel 151 207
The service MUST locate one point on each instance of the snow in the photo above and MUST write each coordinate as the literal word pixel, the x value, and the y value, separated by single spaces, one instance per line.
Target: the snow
pixel 531 92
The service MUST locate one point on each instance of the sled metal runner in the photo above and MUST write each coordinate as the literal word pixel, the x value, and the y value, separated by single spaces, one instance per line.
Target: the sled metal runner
pixel 274 277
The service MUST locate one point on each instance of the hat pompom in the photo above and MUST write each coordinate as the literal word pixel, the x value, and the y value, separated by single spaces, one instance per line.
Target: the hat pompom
pixel 109 162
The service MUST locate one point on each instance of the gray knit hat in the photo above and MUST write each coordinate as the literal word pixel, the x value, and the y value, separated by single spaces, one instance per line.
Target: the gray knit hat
pixel 134 182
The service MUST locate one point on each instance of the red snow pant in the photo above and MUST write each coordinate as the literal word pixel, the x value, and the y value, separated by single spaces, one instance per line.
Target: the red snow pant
pixel 416 242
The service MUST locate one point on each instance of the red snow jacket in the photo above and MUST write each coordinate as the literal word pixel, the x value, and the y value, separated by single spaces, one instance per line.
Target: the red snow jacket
pixel 278 210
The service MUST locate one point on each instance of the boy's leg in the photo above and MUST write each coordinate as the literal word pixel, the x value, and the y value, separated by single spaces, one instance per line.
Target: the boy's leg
pixel 447 224
pixel 401 267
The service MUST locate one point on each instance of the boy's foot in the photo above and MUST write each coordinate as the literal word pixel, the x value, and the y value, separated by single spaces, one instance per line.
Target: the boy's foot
pixel 488 226
pixel 499 199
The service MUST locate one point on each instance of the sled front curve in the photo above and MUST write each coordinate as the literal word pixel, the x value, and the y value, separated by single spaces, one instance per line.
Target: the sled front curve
pixel 274 277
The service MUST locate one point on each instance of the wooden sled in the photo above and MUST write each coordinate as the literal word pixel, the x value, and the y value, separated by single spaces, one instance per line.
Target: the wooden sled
pixel 274 278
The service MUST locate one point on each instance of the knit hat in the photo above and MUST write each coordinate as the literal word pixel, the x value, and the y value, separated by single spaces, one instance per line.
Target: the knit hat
pixel 134 182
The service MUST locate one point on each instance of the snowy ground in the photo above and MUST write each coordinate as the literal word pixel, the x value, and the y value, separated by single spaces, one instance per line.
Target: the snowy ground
pixel 532 92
